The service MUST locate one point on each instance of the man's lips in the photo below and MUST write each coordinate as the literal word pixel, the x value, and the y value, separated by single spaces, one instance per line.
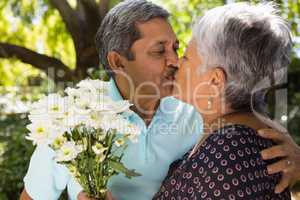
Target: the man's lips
pixel 170 77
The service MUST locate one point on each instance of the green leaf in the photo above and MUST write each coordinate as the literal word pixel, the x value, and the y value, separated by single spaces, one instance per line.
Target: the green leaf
pixel 118 166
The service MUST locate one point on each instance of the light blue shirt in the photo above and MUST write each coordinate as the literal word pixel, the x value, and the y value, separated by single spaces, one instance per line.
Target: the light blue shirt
pixel 174 129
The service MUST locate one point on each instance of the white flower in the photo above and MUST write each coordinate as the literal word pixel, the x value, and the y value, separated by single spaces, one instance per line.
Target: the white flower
pixel 68 152
pixel 59 142
pixel 94 85
pixel 94 120
pixel 127 128
pixel 111 121
pixel 49 107
pixel 72 118
pixel 119 142
pixel 43 132
pixel 107 105
pixel 98 148
pixel 73 170
pixel 121 106
pixel 100 158
pixel 72 93
pixel 133 138
pixel 101 103
pixel 132 132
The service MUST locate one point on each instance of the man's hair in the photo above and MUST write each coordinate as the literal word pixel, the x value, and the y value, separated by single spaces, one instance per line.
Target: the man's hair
pixel 118 30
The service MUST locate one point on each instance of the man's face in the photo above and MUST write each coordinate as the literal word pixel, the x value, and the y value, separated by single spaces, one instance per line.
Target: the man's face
pixel 152 71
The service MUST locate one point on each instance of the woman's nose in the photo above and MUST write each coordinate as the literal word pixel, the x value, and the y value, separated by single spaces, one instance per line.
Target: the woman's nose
pixel 180 61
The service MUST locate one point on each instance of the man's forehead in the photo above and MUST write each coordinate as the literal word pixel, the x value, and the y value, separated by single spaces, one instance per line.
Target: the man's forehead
pixel 158 30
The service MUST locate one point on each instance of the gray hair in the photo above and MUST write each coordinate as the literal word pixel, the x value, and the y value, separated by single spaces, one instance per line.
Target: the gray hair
pixel 118 30
pixel 250 42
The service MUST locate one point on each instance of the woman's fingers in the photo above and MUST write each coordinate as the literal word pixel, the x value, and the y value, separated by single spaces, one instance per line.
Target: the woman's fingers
pixel 281 166
pixel 274 152
pixel 284 183
pixel 272 134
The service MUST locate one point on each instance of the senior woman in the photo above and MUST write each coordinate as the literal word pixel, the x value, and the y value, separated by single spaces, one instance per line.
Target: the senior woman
pixel 233 48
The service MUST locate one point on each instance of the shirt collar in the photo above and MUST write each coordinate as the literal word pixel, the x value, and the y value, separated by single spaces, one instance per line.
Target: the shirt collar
pixel 167 109
pixel 114 91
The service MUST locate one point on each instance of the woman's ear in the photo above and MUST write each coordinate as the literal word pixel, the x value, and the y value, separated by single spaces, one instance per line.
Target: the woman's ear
pixel 115 61
pixel 218 77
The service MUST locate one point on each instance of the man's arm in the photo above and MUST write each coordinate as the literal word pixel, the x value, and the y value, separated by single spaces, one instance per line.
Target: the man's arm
pixel 44 177
pixel 25 196
pixel 288 152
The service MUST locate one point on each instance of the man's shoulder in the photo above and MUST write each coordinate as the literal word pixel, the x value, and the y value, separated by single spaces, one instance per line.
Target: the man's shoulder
pixel 177 107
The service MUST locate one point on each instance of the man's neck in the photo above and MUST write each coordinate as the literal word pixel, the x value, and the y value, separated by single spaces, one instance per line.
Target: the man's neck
pixel 144 107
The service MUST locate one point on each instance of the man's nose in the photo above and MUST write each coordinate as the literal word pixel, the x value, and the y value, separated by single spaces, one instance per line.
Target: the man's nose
pixel 172 60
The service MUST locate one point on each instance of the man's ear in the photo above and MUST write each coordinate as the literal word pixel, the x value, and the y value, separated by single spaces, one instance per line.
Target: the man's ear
pixel 115 61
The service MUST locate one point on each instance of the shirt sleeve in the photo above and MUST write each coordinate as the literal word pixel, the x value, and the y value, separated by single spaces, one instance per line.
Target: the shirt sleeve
pixel 45 179
pixel 74 188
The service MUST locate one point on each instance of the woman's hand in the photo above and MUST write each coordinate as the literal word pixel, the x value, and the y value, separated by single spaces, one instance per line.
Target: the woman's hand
pixel 83 196
pixel 288 151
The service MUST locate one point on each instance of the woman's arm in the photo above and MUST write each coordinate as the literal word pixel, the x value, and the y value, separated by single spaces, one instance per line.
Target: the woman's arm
pixel 25 196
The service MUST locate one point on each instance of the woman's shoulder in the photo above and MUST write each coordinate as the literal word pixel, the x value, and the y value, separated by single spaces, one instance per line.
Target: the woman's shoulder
pixel 236 136
pixel 233 145
pixel 229 164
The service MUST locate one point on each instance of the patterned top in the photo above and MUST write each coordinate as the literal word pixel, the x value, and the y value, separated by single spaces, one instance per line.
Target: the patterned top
pixel 227 165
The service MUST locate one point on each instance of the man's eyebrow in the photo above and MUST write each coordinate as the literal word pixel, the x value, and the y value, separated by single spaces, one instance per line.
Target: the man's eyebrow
pixel 162 42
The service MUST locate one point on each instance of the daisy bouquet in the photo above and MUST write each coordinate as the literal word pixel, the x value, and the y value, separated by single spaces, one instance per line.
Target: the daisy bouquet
pixel 87 131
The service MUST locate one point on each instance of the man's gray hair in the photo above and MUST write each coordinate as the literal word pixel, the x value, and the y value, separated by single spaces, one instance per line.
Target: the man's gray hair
pixel 118 30
pixel 250 42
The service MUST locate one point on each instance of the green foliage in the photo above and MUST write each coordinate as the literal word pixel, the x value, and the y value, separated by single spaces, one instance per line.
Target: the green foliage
pixel 183 13
pixel 15 153
pixel 294 99
pixel 37 26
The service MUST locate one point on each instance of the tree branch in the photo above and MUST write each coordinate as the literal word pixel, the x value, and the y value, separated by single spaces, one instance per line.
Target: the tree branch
pixel 53 67
pixel 103 7
pixel 91 13
pixel 69 16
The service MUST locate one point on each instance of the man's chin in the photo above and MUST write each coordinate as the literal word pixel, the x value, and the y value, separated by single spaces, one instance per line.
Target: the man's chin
pixel 167 91
pixel 176 94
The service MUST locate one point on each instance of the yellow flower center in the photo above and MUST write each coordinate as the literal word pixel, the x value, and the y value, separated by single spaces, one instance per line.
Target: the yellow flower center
pixel 66 152
pixel 55 108
pixel 58 142
pixel 93 116
pixel 99 146
pixel 40 130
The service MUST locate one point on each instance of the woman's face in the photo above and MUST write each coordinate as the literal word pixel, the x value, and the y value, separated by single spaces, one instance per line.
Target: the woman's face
pixel 193 81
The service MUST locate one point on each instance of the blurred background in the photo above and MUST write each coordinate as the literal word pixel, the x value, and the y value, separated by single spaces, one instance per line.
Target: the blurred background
pixel 46 45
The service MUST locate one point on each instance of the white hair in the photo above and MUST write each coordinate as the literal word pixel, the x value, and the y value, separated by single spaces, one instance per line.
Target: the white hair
pixel 250 42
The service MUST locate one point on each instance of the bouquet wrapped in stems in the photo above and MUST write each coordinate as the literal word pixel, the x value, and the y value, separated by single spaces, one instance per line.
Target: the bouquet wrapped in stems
pixel 88 132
